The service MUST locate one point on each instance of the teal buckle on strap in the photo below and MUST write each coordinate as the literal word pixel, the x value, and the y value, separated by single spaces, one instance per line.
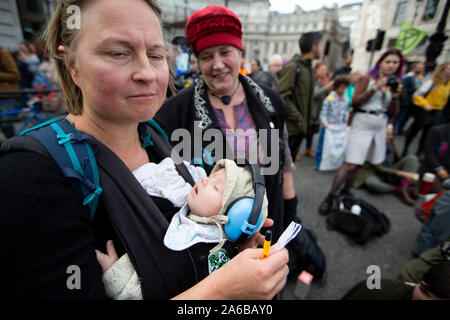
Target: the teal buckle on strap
pixel 91 197
pixel 146 141
pixel 64 138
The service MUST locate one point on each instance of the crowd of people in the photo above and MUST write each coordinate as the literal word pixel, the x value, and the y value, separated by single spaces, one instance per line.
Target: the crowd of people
pixel 22 69
pixel 158 229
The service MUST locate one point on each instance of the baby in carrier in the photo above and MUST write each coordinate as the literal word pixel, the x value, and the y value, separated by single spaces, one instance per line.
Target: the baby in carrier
pixel 201 217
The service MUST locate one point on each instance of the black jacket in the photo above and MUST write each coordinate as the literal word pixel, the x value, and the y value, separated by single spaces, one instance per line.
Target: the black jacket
pixel 180 112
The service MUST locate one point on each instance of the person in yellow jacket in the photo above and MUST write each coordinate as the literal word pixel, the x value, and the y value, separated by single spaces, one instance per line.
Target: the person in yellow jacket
pixel 432 98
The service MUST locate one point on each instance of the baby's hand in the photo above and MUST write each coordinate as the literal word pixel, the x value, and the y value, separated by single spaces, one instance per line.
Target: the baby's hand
pixel 107 260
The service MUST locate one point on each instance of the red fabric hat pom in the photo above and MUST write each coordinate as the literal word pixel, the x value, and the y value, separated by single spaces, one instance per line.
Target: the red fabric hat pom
pixel 214 26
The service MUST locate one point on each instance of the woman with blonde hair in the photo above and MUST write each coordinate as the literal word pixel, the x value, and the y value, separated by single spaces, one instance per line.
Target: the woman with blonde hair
pixel 431 98
pixel 114 75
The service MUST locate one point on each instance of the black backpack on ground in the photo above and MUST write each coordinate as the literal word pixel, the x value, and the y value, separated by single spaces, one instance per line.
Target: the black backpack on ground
pixel 305 254
pixel 360 228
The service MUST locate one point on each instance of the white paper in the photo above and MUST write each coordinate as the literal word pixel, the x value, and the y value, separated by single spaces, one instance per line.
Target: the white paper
pixel 290 233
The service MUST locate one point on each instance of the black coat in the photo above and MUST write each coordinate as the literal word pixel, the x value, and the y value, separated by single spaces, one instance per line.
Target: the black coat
pixel 180 112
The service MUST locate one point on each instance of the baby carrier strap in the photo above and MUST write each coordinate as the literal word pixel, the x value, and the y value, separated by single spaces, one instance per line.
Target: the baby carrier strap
pixel 165 149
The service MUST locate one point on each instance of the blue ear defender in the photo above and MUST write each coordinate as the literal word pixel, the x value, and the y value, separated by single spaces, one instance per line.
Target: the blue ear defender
pixel 244 213
pixel 238 216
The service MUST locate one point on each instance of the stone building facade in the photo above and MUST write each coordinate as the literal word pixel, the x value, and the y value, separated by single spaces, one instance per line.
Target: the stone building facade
pixel 389 15
pixel 265 32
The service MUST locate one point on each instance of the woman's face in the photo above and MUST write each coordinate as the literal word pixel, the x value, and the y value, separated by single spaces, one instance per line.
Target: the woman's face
pixel 120 62
pixel 220 68
pixel 389 65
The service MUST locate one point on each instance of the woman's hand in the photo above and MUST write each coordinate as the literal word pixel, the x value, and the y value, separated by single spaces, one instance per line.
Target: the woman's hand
pixel 428 107
pixel 247 276
pixel 256 239
pixel 325 125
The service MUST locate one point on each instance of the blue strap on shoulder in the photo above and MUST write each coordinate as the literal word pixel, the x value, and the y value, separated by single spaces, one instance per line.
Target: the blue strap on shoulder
pixel 74 155
pixel 145 135
pixel 158 128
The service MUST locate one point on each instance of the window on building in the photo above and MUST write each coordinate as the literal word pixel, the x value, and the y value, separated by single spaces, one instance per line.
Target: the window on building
pixel 430 9
pixel 256 54
pixel 276 48
pixel 400 13
pixel 284 47
pixel 391 43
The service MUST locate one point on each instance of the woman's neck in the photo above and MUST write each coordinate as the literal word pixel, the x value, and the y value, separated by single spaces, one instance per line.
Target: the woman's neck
pixel 121 139
pixel 235 98
pixel 230 92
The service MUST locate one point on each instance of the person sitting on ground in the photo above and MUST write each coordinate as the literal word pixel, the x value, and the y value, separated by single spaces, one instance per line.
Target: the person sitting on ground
pixel 413 270
pixel 437 228
pixel 334 111
pixel 437 155
pixel 200 219
pixel 434 285
pixel 395 174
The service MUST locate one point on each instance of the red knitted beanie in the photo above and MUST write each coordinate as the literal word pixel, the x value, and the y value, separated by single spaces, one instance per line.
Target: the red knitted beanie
pixel 214 26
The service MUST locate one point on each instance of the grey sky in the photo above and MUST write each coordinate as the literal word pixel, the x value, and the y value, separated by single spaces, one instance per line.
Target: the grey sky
pixel 289 5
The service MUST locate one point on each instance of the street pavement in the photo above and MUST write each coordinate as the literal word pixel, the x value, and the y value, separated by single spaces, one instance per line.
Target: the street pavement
pixel 347 262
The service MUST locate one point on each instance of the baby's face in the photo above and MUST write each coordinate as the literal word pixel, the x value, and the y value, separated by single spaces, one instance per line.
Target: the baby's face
pixel 205 199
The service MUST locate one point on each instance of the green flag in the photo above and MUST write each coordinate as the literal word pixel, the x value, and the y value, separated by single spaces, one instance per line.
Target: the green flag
pixel 409 38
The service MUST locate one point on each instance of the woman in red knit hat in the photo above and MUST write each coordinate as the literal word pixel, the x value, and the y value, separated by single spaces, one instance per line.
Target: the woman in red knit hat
pixel 226 100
